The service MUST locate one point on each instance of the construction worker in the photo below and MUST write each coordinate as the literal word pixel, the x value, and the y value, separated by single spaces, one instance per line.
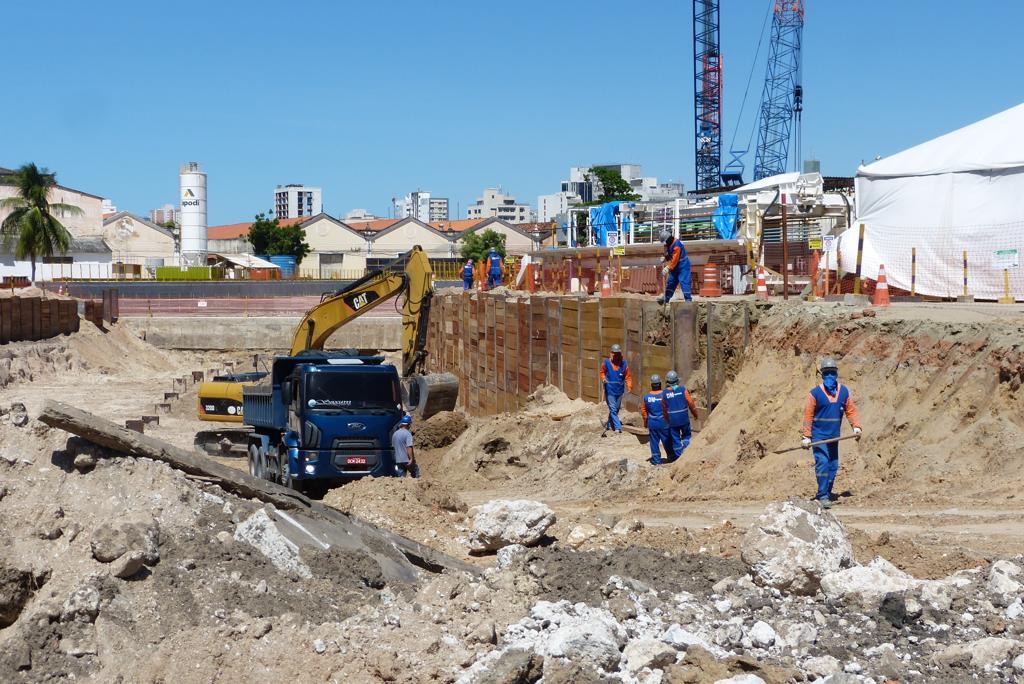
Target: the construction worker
pixel 617 380
pixel 680 405
pixel 676 269
pixel 493 269
pixel 401 442
pixel 823 417
pixel 655 414
pixel 467 275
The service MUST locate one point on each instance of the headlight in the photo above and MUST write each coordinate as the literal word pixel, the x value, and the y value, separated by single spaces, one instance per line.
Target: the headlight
pixel 310 468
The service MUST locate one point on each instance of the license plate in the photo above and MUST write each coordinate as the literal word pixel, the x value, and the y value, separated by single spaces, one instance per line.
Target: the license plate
pixel 356 460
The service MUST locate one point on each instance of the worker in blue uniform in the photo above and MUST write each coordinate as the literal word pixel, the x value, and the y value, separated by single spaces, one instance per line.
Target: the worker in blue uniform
pixel 493 269
pixel 655 414
pixel 467 275
pixel 823 417
pixel 680 405
pixel 676 269
pixel 617 380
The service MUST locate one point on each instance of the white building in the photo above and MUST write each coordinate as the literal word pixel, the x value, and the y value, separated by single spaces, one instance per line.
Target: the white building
pixel 551 207
pixel 421 206
pixel 495 204
pixel 295 200
pixel 163 215
pixel 108 207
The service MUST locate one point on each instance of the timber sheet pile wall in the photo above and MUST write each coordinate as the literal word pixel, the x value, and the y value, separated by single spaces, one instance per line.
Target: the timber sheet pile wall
pixel 502 347
pixel 35 318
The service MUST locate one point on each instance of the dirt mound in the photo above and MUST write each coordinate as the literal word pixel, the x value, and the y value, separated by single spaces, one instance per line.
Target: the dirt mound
pixel 939 401
pixel 439 430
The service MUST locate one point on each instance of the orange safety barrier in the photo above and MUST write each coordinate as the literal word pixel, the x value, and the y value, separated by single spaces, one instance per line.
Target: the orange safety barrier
pixel 712 285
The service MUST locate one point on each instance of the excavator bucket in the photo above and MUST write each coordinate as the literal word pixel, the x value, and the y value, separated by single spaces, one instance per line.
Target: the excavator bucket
pixel 426 395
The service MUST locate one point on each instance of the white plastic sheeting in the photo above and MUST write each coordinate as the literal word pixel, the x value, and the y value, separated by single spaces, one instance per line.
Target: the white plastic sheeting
pixel 963 191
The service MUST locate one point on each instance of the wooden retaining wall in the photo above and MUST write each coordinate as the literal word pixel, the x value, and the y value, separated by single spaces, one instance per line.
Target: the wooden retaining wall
pixel 35 318
pixel 503 347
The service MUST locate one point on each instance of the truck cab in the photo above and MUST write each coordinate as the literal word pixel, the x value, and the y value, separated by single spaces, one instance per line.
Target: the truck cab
pixel 324 416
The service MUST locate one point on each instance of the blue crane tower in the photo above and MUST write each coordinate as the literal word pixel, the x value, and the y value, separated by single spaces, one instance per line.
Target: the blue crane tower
pixel 782 99
pixel 707 93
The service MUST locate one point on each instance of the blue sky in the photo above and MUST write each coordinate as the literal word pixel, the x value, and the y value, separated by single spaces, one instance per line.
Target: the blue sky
pixel 373 99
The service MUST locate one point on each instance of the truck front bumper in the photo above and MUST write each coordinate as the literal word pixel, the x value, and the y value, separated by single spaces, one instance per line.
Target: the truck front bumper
pixel 336 464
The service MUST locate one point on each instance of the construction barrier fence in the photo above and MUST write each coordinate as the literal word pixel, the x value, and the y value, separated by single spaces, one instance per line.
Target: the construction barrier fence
pixel 35 318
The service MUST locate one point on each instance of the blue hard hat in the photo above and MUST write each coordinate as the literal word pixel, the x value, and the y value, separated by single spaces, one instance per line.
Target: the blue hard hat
pixel 406 420
pixel 494 250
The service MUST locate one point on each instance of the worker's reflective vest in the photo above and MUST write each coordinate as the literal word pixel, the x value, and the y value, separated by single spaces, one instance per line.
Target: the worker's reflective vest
pixel 678 407
pixel 615 379
pixel 655 410
pixel 495 263
pixel 467 272
pixel 828 412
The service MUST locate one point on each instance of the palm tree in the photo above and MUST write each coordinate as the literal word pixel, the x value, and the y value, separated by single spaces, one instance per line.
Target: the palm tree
pixel 31 228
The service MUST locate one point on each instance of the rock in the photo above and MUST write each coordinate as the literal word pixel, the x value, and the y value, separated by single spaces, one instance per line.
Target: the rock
pixel 580 534
pixel 761 635
pixel 259 531
pixel 793 544
pixel 729 635
pixel 499 523
pixel 986 652
pixel 1018 664
pixel 1002 578
pixel 822 666
pixel 4 491
pixel 261 628
pixel 85 461
pixel 791 634
pixel 112 540
pixel 650 653
pixel 16 588
pixel 319 646
pixel 1015 610
pixel 596 640
pixel 627 526
pixel 51 524
pixel 508 554
pixel 741 679
pixel 484 633
pixel 606 520
pixel 129 565
pixel 224 537
pixel 261 587
pixel 682 639
pixel 558 671
pixel 15 653
pixel 19 416
pixel 513 666
pixel 867 585
pixel 83 605
pixel 622 608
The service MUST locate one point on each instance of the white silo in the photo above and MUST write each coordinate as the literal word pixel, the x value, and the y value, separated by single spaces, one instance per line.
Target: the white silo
pixel 193 214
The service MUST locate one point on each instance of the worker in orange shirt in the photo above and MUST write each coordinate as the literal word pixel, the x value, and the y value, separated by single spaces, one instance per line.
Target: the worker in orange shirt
pixel 676 269
pixel 617 380
pixel 823 418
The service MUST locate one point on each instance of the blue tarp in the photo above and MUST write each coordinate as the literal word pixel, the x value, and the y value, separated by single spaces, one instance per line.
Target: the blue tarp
pixel 602 221
pixel 724 217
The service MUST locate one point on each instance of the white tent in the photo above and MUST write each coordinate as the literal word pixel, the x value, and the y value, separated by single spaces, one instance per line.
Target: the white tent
pixel 963 191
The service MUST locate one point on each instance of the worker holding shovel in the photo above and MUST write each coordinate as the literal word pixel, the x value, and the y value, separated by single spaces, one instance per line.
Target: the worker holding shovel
pixel 823 418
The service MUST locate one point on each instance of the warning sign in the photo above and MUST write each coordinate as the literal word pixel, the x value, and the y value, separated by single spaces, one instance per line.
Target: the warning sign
pixel 1003 259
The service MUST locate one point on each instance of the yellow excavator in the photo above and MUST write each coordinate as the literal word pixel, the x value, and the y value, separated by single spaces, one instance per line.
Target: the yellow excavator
pixel 410 275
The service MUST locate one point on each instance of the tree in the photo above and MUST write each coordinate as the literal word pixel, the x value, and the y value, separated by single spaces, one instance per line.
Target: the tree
pixel 32 228
pixel 613 186
pixel 261 233
pixel 291 241
pixel 268 238
pixel 478 245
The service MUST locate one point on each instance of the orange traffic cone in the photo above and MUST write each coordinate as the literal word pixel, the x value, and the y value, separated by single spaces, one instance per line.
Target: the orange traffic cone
pixel 881 297
pixel 762 286
pixel 711 287
pixel 606 286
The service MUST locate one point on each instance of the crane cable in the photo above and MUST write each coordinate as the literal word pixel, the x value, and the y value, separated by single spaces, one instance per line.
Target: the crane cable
pixel 750 78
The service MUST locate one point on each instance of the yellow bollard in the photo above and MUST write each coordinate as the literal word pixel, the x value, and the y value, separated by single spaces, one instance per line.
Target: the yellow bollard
pixel 1006 298
pixel 913 271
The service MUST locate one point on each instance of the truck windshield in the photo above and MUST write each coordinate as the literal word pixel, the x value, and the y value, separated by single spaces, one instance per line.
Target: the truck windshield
pixel 341 391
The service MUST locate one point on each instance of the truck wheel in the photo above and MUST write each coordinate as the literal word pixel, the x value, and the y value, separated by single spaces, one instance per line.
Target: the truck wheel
pixel 285 472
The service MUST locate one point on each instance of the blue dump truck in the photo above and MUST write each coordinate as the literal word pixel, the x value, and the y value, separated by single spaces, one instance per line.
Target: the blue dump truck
pixel 325 417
